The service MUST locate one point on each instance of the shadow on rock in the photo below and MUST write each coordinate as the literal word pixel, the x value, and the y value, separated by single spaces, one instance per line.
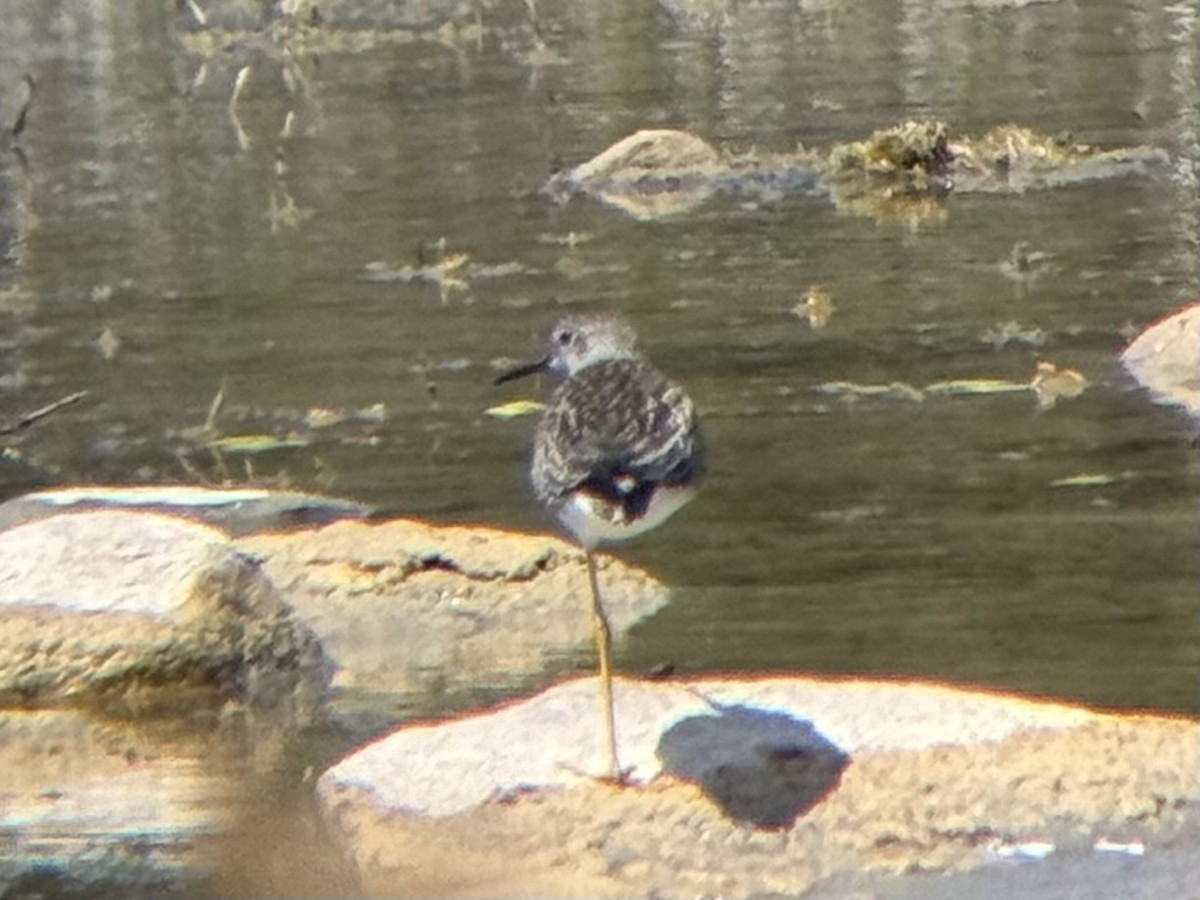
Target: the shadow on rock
pixel 761 767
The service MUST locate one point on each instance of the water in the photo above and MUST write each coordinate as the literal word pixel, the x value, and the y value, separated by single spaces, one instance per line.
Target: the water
pixel 152 254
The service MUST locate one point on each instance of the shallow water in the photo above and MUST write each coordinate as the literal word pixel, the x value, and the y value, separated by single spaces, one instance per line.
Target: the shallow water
pixel 153 252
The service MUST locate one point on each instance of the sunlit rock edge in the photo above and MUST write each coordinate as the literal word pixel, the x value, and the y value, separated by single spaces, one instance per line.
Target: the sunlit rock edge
pixel 893 779
pixel 1165 360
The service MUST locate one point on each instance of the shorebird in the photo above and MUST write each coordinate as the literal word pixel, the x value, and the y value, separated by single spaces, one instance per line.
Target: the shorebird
pixel 617 452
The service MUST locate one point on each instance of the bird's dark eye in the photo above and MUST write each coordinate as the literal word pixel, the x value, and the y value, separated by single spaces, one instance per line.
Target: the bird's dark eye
pixel 564 337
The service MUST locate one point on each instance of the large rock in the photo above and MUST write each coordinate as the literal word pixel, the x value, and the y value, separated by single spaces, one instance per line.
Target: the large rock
pixel 404 608
pixel 125 608
pixel 752 788
pixel 1165 359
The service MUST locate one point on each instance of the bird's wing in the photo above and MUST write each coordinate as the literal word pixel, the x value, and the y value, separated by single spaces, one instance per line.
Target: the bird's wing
pixel 615 426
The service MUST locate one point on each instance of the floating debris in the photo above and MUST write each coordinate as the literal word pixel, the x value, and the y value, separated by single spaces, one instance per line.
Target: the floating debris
pixel 514 409
pixel 282 211
pixel 974 386
pixel 324 417
pixel 901 173
pixel 30 417
pixel 197 13
pixel 851 514
pixel 916 148
pixel 1051 384
pixel 815 305
pixel 1086 480
pixel 108 343
pixel 903 391
pixel 239 85
pixel 376 412
pixel 1002 334
pixel 898 173
pixel 1013 158
pixel 571 239
pixel 1025 265
pixel 256 443
pixel 450 271
pixel 896 389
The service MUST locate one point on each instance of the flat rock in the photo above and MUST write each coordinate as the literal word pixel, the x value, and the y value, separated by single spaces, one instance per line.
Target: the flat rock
pixel 406 608
pixel 237 511
pixel 743 788
pixel 1165 359
pixel 118 607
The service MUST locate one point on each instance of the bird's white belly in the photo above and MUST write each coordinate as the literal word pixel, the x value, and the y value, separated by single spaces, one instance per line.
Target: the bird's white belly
pixel 583 515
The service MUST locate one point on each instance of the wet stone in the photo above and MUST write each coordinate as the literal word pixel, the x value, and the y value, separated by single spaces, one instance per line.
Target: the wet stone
pixel 882 780
pixel 126 609
pixel 419 612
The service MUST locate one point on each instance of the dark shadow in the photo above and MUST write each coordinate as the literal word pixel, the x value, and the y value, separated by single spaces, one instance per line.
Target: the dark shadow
pixel 760 766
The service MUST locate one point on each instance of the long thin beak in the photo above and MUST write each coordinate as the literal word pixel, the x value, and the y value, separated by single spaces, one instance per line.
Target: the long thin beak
pixel 540 365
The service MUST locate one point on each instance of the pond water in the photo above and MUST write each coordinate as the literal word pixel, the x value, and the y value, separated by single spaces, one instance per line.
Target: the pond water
pixel 165 239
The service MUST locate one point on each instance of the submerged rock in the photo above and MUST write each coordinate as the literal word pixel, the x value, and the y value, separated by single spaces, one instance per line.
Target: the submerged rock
pixel 650 174
pixel 656 173
pixel 748 788
pixel 901 172
pixel 405 608
pixel 235 510
pixel 1165 359
pixel 127 609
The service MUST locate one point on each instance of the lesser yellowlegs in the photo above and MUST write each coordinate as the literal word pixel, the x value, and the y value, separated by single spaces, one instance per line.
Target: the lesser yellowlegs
pixel 617 451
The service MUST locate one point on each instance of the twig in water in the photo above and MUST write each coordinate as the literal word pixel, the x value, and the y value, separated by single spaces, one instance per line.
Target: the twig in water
pixel 22 119
pixel 214 410
pixel 29 418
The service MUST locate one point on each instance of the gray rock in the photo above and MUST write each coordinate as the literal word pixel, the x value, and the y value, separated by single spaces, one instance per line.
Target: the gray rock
pixel 404 608
pixel 125 608
pixel 1165 359
pixel 649 174
pixel 238 511
pixel 500 804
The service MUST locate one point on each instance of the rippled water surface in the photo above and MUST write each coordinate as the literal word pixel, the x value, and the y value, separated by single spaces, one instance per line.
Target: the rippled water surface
pixel 162 239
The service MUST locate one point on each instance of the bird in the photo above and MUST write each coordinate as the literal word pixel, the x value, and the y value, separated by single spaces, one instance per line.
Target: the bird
pixel 618 451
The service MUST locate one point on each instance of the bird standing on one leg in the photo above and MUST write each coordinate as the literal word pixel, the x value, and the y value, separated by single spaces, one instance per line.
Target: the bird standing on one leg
pixel 616 453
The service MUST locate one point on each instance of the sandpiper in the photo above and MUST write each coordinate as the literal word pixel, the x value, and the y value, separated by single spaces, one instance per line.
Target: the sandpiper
pixel 617 451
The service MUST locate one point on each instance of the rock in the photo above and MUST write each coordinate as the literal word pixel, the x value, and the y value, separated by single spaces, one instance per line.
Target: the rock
pixel 827 780
pixel 903 172
pixel 650 174
pixel 407 608
pixel 75 789
pixel 1165 359
pixel 237 511
pixel 129 608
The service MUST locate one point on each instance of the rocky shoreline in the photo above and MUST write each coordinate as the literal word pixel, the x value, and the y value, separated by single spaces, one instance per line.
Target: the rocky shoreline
pixel 142 652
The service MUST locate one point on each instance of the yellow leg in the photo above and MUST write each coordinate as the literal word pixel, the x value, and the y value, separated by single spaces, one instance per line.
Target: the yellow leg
pixel 603 635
